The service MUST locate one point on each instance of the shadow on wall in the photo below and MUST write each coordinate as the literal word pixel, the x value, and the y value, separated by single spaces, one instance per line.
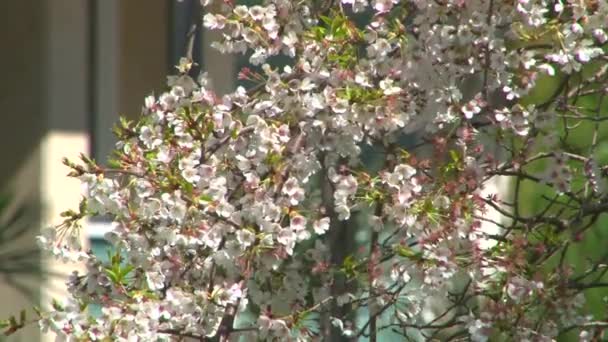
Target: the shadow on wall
pixel 21 87
pixel 31 57
pixel 22 129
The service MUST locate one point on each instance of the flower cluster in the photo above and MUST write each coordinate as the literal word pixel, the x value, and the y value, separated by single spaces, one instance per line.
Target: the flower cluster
pixel 236 216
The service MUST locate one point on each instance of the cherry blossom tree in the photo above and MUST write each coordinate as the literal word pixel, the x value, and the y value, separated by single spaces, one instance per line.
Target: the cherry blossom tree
pixel 231 215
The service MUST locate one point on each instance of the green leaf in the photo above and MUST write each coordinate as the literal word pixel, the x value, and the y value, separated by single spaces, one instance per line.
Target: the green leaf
pixel 273 159
pixel 112 275
pixel 454 155
pixel 349 267
pixel 205 198
pixel 325 19
pixel 125 271
pixel 56 305
pixel 407 252
pixel 114 163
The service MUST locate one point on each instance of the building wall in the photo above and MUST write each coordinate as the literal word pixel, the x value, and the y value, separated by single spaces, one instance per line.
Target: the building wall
pixel 69 67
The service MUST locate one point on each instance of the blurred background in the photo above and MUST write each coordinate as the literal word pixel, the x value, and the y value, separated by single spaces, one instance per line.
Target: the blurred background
pixel 69 69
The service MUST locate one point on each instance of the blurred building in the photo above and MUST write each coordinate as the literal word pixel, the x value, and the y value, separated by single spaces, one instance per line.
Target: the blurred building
pixel 69 68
